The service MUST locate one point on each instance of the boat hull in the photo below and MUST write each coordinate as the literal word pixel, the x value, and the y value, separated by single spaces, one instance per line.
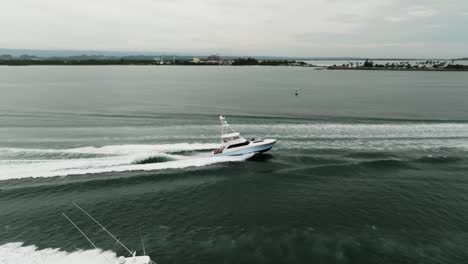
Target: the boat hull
pixel 254 147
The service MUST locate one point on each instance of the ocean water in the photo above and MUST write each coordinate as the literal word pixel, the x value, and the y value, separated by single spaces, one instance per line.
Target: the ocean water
pixel 370 167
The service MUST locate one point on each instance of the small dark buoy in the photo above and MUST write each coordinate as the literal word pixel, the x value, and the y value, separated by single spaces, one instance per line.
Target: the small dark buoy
pixel 296 93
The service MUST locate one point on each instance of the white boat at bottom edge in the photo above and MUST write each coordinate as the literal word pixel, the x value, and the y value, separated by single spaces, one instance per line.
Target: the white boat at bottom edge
pixel 233 144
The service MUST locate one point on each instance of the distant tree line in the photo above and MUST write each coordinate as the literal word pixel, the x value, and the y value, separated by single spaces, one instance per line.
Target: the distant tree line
pixel 126 61
pixel 429 65
pixel 253 61
pixel 245 61
pixel 77 62
pixel 457 67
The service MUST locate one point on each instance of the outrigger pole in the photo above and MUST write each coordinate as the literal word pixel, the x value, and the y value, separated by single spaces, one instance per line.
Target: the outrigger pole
pixel 224 124
pixel 104 228
pixel 84 235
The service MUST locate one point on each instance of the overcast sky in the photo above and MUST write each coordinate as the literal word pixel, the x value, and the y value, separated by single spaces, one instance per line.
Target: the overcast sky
pixel 375 28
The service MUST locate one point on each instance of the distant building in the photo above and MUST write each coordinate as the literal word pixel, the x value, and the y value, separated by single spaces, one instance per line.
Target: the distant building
pixel 196 60
pixel 214 59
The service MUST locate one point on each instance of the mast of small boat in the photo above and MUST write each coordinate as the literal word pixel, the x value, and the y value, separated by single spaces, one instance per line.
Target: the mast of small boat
pixel 222 119
pixel 224 124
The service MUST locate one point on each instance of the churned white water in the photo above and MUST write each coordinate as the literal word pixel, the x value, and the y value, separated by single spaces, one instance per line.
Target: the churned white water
pixel 116 158
pixel 18 253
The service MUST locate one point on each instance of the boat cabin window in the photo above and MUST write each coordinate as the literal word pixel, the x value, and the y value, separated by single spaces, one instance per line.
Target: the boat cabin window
pixel 239 145
pixel 230 139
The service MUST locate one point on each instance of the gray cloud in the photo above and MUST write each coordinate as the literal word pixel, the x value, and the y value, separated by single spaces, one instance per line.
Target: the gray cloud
pixel 261 27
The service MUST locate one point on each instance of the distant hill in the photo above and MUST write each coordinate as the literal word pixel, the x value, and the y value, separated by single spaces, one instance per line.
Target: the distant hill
pixel 71 53
pixel 74 55
pixel 151 55
pixel 6 57
pixel 83 57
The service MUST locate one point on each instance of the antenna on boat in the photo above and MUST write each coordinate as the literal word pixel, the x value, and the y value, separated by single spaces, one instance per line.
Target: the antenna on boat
pixel 143 245
pixel 84 235
pixel 144 250
pixel 222 119
pixel 104 228
pixel 225 125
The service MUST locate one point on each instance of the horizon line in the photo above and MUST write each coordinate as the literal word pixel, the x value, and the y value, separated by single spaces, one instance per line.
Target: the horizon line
pixel 93 52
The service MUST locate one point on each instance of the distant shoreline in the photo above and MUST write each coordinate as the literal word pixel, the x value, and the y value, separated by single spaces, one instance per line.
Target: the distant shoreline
pixel 398 69
pixel 237 62
pixel 450 68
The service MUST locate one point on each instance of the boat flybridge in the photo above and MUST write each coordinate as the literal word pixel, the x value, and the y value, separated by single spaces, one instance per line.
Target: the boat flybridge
pixel 132 259
pixel 233 144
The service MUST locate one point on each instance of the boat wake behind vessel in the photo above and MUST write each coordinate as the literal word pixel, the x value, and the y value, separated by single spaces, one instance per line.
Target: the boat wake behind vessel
pixel 233 144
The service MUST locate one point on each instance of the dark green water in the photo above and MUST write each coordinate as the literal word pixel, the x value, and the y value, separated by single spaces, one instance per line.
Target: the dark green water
pixel 370 167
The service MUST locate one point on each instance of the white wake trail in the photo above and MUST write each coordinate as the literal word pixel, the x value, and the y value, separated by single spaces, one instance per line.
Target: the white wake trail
pixel 117 158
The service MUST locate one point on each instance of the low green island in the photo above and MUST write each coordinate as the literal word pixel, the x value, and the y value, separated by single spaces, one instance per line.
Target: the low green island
pixel 216 60
pixel 428 65
pixel 213 60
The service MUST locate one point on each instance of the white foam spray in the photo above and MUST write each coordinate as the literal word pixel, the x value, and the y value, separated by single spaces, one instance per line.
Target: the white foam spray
pixel 16 253
pixel 117 158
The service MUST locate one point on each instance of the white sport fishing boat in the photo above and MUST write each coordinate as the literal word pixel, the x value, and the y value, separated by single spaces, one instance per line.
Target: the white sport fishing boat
pixel 233 144
pixel 133 259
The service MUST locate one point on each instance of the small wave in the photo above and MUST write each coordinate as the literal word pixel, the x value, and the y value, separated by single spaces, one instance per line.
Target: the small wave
pixel 17 253
pixel 439 159
pixel 117 159
pixel 28 154
pixel 362 167
pixel 385 164
pixel 370 155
